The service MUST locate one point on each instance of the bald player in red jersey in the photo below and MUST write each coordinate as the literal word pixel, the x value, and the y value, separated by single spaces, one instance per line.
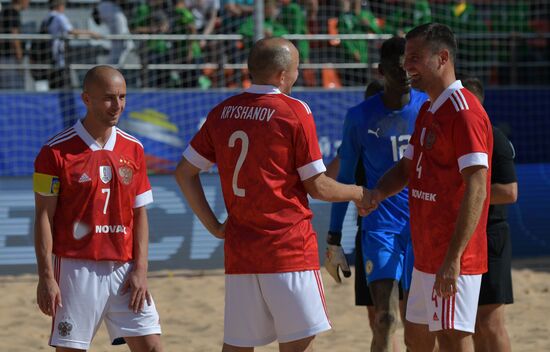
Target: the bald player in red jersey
pixel 91 189
pixel 265 145
pixel 446 168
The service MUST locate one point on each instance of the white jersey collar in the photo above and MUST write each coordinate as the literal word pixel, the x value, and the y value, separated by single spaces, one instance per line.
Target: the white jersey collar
pixel 456 85
pixel 263 89
pixel 91 142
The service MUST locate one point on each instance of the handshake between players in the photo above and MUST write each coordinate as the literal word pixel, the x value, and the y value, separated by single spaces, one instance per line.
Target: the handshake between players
pixel 335 258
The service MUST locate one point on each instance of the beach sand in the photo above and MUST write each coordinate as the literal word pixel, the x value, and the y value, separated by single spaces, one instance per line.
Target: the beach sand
pixel 190 304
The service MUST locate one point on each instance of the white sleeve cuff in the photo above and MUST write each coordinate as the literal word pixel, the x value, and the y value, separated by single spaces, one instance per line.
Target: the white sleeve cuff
pixel 409 152
pixel 196 159
pixel 311 169
pixel 143 199
pixel 473 159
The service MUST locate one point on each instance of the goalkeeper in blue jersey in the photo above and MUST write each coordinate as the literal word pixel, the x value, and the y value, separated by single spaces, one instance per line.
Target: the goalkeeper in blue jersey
pixel 376 133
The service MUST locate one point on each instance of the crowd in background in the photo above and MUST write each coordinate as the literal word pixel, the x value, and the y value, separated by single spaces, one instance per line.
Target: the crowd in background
pixel 481 55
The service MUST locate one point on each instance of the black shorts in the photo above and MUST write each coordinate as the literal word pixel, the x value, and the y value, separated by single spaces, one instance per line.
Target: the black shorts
pixel 496 283
pixel 362 293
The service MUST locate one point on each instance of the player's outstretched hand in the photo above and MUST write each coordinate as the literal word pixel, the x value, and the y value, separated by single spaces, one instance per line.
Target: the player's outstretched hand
pixel 48 296
pixel 335 259
pixel 136 283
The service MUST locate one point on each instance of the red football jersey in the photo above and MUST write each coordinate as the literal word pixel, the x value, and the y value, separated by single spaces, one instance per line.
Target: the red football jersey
pixel 97 189
pixel 452 133
pixel 264 143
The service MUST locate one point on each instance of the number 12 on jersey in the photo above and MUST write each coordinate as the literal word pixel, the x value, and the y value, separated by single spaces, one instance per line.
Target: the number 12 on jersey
pixel 239 192
pixel 399 145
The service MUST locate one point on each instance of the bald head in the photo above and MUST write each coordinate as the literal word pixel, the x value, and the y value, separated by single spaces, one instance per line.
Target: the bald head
pixel 268 57
pixel 99 76
pixel 104 94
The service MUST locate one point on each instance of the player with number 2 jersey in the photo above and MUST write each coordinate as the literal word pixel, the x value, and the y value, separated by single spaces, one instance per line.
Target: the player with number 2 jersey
pixel 265 145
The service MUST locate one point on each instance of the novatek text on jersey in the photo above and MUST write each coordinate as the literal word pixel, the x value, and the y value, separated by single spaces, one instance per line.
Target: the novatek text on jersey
pixel 255 113
pixel 430 197
pixel 110 229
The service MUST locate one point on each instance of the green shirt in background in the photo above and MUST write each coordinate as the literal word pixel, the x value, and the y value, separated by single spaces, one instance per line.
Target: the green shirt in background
pixel 183 20
pixel 510 17
pixel 407 16
pixel 464 19
pixel 293 18
pixel 355 50
pixel 144 16
pixel 274 28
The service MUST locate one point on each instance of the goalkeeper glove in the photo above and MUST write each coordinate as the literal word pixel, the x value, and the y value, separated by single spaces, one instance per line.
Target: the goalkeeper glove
pixel 335 257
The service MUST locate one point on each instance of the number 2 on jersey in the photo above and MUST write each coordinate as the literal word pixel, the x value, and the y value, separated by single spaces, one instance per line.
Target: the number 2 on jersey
pixel 239 192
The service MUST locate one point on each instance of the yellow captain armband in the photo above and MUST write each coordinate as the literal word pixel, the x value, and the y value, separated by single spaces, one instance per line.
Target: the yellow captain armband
pixel 47 185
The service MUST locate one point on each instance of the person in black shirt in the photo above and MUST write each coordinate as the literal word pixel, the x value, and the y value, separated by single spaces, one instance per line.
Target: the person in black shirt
pixel 11 51
pixel 496 283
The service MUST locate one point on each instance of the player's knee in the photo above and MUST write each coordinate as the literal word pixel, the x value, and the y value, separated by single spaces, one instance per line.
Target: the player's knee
pixel 372 316
pixel 488 330
pixel 482 327
pixel 410 342
pixel 153 344
pixel 385 321
pixel 419 341
pixel 157 347
pixel 489 324
pixel 449 339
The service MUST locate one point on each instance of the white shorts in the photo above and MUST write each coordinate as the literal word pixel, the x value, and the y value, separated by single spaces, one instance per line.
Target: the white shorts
pixel 262 308
pixel 90 294
pixel 454 313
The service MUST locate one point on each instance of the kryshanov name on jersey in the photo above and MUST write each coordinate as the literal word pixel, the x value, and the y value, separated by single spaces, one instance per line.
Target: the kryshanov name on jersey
pixel 255 113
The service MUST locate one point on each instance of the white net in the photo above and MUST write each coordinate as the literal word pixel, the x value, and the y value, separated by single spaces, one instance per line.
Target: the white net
pixel 204 44
pixel 181 57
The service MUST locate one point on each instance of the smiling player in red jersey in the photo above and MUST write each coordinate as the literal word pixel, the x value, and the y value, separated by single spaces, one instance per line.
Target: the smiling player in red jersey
pixel 91 188
pixel 446 168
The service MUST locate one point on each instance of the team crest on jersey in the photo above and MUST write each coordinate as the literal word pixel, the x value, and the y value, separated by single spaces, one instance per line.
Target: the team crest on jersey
pixel 368 267
pixel 105 174
pixel 64 328
pixel 431 134
pixel 125 174
pixel 430 139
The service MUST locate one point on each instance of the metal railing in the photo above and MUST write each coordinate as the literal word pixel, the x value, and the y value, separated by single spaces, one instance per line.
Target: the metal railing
pixel 509 40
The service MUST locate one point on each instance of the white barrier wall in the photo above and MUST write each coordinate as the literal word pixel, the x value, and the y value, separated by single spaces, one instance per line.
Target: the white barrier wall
pixel 177 238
